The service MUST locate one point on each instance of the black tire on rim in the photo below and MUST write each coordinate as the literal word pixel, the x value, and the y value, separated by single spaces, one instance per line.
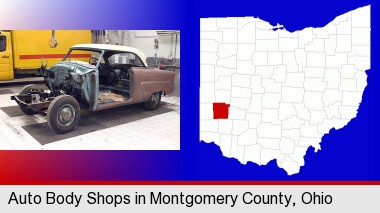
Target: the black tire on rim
pixel 25 90
pixel 154 101
pixel 63 114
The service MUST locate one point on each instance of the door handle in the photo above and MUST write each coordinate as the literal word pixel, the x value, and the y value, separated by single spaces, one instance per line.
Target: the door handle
pixel 5 56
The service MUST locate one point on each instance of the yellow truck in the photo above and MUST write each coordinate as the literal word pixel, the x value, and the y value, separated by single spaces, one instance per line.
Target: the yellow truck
pixel 21 50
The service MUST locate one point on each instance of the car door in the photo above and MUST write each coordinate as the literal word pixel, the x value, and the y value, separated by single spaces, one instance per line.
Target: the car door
pixel 5 56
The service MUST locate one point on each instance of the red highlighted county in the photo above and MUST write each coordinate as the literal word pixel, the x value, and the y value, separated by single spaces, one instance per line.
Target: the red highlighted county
pixel 220 110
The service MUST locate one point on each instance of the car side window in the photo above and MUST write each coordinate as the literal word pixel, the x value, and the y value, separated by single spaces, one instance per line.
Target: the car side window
pixel 97 55
pixel 125 58
pixel 3 43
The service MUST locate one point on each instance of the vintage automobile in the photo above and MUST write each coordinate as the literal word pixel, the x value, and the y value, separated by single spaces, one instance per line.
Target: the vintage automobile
pixel 114 76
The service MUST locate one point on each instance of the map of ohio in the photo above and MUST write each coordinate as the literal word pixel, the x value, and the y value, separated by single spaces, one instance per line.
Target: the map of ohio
pixel 267 93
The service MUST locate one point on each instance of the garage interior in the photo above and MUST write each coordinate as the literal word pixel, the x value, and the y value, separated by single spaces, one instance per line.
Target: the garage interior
pixel 122 128
pixel 162 47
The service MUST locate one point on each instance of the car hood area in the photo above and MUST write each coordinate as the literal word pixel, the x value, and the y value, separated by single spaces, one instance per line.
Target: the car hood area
pixel 78 67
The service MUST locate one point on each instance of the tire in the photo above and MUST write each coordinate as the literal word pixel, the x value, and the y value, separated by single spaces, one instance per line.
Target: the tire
pixel 154 101
pixel 63 114
pixel 25 90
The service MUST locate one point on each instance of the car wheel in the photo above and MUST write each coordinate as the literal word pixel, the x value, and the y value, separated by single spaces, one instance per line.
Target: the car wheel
pixel 25 90
pixel 63 114
pixel 154 101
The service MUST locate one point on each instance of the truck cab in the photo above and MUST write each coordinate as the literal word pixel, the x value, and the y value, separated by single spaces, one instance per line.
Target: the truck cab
pixel 6 60
pixel 21 51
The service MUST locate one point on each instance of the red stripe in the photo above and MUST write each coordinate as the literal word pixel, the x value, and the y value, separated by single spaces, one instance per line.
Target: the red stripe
pixel 23 57
pixel 14 182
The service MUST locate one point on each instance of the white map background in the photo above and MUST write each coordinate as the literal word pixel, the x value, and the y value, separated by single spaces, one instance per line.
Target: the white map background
pixel 285 89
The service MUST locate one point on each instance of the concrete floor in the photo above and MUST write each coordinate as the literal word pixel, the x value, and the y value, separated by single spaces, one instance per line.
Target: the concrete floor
pixel 157 132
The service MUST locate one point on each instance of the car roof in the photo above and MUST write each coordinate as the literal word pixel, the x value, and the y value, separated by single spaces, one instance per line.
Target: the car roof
pixel 112 47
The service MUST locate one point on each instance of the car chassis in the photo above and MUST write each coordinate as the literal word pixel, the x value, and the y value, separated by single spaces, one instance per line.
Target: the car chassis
pixel 76 85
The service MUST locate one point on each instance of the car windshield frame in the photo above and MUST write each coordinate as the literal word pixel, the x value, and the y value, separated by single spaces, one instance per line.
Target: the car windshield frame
pixel 86 49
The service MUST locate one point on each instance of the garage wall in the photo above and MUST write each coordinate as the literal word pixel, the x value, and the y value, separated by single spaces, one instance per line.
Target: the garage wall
pixel 144 40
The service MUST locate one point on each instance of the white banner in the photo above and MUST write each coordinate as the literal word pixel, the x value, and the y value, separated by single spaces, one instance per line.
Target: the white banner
pixel 168 198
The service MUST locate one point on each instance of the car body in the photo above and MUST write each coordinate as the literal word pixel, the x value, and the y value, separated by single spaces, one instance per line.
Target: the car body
pixel 101 83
